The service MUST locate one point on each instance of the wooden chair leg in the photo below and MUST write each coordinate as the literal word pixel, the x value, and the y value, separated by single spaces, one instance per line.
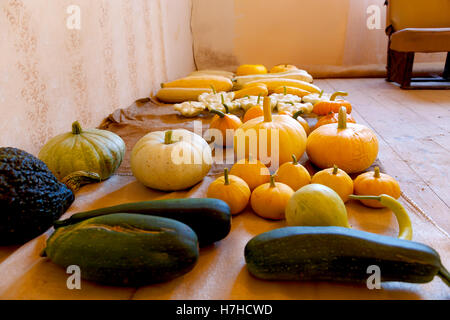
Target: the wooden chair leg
pixel 446 74
pixel 399 67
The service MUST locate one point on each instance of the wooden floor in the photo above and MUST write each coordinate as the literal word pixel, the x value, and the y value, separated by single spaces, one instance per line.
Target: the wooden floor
pixel 413 127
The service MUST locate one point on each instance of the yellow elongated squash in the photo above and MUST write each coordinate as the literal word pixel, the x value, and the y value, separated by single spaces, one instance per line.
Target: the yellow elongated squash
pixel 256 90
pixel 273 83
pixel 240 81
pixel 176 95
pixel 219 83
pixel 226 74
pixel 291 90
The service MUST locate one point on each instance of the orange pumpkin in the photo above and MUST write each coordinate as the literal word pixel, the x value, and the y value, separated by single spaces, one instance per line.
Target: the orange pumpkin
pixel 254 112
pixel 332 117
pixel 291 137
pixel 293 174
pixel 336 179
pixel 324 107
pixel 352 147
pixel 374 183
pixel 224 122
pixel 270 199
pixel 231 189
pixel 252 171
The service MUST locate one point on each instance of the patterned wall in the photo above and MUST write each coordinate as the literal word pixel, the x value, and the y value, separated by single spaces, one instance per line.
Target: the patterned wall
pixel 52 74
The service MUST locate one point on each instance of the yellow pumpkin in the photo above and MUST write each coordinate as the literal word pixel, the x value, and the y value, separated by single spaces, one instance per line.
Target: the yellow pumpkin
pixel 336 179
pixel 270 199
pixel 257 134
pixel 231 189
pixel 374 183
pixel 252 171
pixel 352 147
pixel 248 69
pixel 293 174
pixel 224 122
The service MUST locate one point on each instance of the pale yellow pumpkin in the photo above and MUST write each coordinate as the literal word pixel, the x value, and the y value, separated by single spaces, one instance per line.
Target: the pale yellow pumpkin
pixel 252 171
pixel 293 174
pixel 352 147
pixel 336 179
pixel 374 183
pixel 270 199
pixel 287 134
pixel 231 189
pixel 171 160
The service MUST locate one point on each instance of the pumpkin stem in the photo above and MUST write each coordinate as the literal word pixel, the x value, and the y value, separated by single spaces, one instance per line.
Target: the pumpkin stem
pixel 297 114
pixel 222 99
pixel 267 110
pixel 168 137
pixel 213 89
pixel 76 179
pixel 272 181
pixel 225 175
pixel 338 93
pixel 376 172
pixel 335 169
pixel 321 93
pixel 342 118
pixel 259 98
pixel 218 112
pixel 294 159
pixel 76 128
pixel 227 109
pixel 284 90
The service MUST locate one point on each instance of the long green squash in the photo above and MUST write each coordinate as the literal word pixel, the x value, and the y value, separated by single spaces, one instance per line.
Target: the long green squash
pixel 209 218
pixel 125 249
pixel 339 254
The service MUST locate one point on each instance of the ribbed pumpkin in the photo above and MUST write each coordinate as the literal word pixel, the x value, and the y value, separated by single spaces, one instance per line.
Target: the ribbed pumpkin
pixel 324 107
pixel 224 122
pixel 270 199
pixel 231 189
pixel 336 179
pixel 252 171
pixel 171 160
pixel 291 137
pixel 293 174
pixel 332 117
pixel 90 150
pixel 352 147
pixel 374 183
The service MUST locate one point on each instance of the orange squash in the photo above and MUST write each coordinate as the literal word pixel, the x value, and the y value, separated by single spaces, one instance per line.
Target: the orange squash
pixel 352 147
pixel 252 171
pixel 323 107
pixel 270 199
pixel 283 68
pixel 247 69
pixel 231 189
pixel 293 174
pixel 332 117
pixel 249 138
pixel 224 122
pixel 297 116
pixel 254 112
pixel 336 179
pixel 374 183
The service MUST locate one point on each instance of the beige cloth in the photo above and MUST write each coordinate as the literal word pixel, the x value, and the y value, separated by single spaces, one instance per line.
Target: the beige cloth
pixel 220 272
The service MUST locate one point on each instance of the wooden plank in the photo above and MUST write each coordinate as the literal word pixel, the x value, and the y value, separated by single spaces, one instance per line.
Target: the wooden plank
pixel 412 149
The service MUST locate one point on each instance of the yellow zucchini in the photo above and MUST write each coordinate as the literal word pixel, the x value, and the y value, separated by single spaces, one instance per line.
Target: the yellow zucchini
pixel 255 90
pixel 226 74
pixel 273 83
pixel 219 83
pixel 241 81
pixel 291 90
pixel 176 95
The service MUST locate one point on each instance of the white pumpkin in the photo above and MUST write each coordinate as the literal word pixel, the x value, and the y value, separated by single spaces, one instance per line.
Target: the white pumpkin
pixel 171 160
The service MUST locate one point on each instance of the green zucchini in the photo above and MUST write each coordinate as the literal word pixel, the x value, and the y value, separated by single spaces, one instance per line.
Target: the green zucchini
pixel 209 218
pixel 339 254
pixel 125 249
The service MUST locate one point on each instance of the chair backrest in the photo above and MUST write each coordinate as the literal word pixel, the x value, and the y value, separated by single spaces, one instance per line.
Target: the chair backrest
pixel 403 14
